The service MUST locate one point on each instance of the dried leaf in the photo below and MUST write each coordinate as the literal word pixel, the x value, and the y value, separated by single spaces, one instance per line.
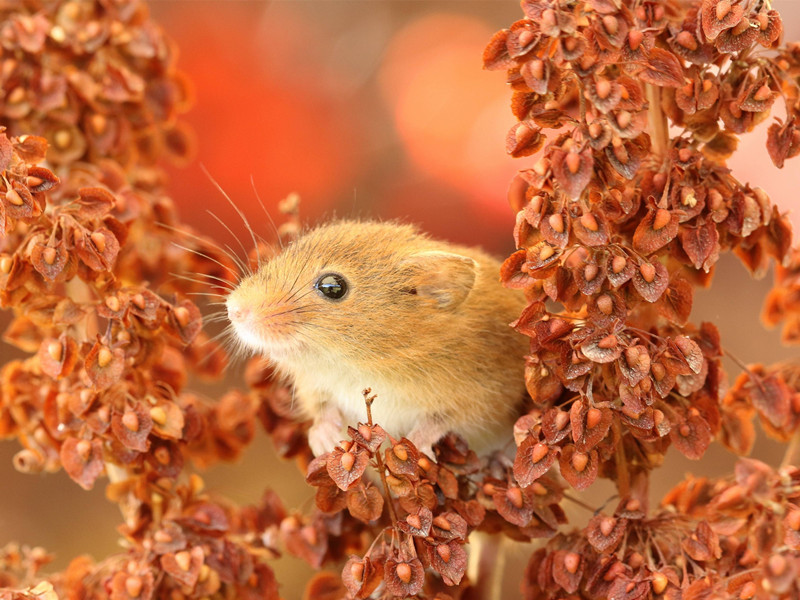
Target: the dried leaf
pixel 572 170
pixel 365 502
pixel 346 467
pixel 656 230
pixel 533 459
pixel 403 577
pixel 577 467
pixel 702 544
pixel 691 436
pixel 82 460
pixel 651 280
pixel 663 69
pixel 449 560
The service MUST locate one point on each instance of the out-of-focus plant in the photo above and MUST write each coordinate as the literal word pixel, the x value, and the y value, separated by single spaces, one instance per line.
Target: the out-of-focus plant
pixel 626 211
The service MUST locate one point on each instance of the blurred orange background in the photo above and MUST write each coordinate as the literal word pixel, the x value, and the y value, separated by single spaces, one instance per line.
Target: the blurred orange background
pixel 373 109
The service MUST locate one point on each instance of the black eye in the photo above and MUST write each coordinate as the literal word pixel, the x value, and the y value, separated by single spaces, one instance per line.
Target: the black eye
pixel 332 285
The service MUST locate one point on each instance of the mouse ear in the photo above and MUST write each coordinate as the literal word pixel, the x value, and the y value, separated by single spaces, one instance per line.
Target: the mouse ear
pixel 441 278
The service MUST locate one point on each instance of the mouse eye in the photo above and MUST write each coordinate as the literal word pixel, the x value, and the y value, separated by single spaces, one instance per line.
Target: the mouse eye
pixel 332 285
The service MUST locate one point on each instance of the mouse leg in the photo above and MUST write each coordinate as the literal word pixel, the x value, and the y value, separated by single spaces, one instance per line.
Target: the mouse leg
pixel 326 430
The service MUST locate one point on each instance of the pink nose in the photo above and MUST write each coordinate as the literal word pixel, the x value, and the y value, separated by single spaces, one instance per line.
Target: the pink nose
pixel 238 314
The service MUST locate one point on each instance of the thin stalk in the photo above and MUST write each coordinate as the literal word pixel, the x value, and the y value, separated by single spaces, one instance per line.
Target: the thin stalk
pixel 368 400
pixel 791 458
pixel 657 121
pixel 623 477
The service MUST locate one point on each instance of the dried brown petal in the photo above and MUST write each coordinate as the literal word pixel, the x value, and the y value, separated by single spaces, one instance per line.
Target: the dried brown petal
pixel 663 69
pixel 346 467
pixel 403 577
pixel 533 460
pixel 703 543
pixel 651 280
pixel 449 560
pixel 104 365
pixel 676 303
pixel 94 202
pixel 605 533
pixel 184 566
pixel 360 577
pixel 692 436
pixel 369 437
pixel 658 228
pixel 577 467
pixel 719 15
pixel 82 460
pixel 57 358
pixel 365 502
pixel 524 140
pixel 572 170
pixel 132 427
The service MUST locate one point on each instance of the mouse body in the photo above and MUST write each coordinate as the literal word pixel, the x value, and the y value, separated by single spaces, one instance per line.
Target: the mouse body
pixel 351 305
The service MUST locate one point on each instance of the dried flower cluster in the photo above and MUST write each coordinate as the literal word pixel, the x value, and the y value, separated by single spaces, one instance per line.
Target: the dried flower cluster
pixel 617 223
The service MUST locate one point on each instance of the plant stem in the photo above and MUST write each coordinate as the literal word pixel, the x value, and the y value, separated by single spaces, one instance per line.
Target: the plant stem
pixel 791 458
pixel 657 121
pixel 623 477
pixel 368 400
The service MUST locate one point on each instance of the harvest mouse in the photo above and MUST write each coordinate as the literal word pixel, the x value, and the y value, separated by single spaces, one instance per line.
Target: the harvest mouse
pixel 423 323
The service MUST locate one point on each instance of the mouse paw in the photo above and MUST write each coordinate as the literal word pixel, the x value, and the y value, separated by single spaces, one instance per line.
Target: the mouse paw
pixel 325 434
pixel 424 436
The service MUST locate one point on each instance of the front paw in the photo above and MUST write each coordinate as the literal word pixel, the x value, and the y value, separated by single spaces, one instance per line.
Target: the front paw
pixel 324 436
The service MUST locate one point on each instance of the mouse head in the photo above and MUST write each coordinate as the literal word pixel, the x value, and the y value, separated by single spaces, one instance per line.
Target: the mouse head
pixel 351 290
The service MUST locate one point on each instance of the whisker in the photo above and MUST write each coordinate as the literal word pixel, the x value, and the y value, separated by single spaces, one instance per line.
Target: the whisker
pixel 240 213
pixel 208 257
pixel 239 262
pixel 222 283
pixel 209 294
pixel 266 212
pixel 203 241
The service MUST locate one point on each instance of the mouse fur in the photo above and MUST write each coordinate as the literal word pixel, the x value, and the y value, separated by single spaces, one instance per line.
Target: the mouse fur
pixel 423 323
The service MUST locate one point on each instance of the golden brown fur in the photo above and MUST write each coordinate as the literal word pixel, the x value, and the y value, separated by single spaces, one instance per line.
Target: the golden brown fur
pixel 425 324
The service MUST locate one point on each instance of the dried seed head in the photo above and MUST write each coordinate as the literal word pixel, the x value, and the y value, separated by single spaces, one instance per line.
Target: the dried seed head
pixel 184 560
pixel 603 89
pixel 443 550
pixel 661 219
pixel 348 460
pixel 49 255
pixel 400 452
pixel 403 572
pixel 648 272
pixel 538 452
pixel 131 421
pixel 660 582
pixel 514 495
pixel 572 561
pixel 589 221
pixel 593 417
pixel 635 38
pixel 556 220
pixel 579 461
pixel 605 304
pixel 55 351
pixel 134 585
pixel 618 264
pixel 14 198
pixel 104 357
pixel 723 8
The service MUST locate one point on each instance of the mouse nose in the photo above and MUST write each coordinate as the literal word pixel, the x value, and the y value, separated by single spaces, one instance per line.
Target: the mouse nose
pixel 237 313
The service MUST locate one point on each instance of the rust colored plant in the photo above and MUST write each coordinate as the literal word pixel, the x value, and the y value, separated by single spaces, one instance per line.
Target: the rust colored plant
pixel 633 106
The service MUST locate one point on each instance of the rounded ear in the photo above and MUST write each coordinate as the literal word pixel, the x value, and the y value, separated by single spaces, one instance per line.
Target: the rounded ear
pixel 443 279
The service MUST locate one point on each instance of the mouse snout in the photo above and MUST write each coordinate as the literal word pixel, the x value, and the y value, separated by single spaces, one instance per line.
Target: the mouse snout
pixel 238 314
